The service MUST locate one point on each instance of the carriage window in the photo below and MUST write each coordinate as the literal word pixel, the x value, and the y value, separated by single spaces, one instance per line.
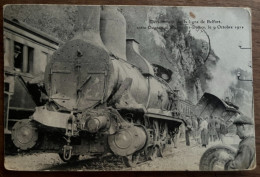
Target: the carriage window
pixel 7 52
pixel 43 59
pixel 6 87
pixel 46 56
pixel 18 56
pixel 23 57
pixel 30 59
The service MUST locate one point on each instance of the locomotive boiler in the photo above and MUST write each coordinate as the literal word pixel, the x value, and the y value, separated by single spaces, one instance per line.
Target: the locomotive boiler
pixel 103 97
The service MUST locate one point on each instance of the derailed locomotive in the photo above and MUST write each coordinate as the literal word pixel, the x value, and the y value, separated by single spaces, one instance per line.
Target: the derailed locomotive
pixel 103 97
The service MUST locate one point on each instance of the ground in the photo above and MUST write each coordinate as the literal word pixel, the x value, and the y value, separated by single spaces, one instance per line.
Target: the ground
pixel 181 158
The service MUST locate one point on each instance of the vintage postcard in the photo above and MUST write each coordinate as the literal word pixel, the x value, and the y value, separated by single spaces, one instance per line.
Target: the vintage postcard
pixel 128 88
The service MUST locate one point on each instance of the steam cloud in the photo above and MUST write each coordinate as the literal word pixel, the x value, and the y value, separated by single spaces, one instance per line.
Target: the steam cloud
pixel 222 79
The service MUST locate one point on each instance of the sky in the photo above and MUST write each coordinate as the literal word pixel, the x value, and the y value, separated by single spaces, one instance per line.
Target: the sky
pixel 225 42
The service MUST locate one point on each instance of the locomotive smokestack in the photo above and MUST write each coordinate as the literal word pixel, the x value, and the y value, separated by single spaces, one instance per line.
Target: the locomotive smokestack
pixel 88 18
pixel 134 57
pixel 89 25
pixel 113 31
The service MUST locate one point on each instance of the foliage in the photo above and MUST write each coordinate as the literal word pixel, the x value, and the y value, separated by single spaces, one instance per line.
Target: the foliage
pixel 58 21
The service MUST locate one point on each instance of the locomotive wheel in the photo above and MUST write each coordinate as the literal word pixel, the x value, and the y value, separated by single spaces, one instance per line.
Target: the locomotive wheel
pixel 156 130
pixel 131 160
pixel 153 153
pixel 25 134
pixel 163 138
pixel 73 158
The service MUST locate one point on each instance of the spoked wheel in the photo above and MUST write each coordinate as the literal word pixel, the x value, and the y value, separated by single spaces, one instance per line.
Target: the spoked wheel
pixel 153 153
pixel 156 132
pixel 73 158
pixel 131 160
pixel 163 138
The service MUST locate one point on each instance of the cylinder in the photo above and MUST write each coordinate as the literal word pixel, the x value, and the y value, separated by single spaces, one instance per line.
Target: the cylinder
pixel 113 31
pixel 127 141
pixel 93 125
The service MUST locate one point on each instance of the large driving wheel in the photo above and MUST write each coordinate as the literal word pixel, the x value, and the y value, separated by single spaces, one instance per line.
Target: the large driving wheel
pixel 163 138
pixel 153 151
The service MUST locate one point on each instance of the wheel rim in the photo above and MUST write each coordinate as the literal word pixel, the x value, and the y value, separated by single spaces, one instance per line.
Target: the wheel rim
pixel 155 152
pixel 25 134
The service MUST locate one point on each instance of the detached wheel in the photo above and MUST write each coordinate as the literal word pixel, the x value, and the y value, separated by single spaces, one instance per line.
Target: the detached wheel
pixel 25 134
pixel 216 157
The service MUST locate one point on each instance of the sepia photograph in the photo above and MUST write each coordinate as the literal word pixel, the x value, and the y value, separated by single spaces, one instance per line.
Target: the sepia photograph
pixel 128 88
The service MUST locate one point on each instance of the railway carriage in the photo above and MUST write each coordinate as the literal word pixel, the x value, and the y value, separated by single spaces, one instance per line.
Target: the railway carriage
pixel 26 53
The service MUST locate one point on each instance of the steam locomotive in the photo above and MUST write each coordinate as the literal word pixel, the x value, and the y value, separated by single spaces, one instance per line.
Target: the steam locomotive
pixel 103 97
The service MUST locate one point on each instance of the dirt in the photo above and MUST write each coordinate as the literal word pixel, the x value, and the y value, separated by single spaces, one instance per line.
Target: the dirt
pixel 176 159
pixel 32 162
